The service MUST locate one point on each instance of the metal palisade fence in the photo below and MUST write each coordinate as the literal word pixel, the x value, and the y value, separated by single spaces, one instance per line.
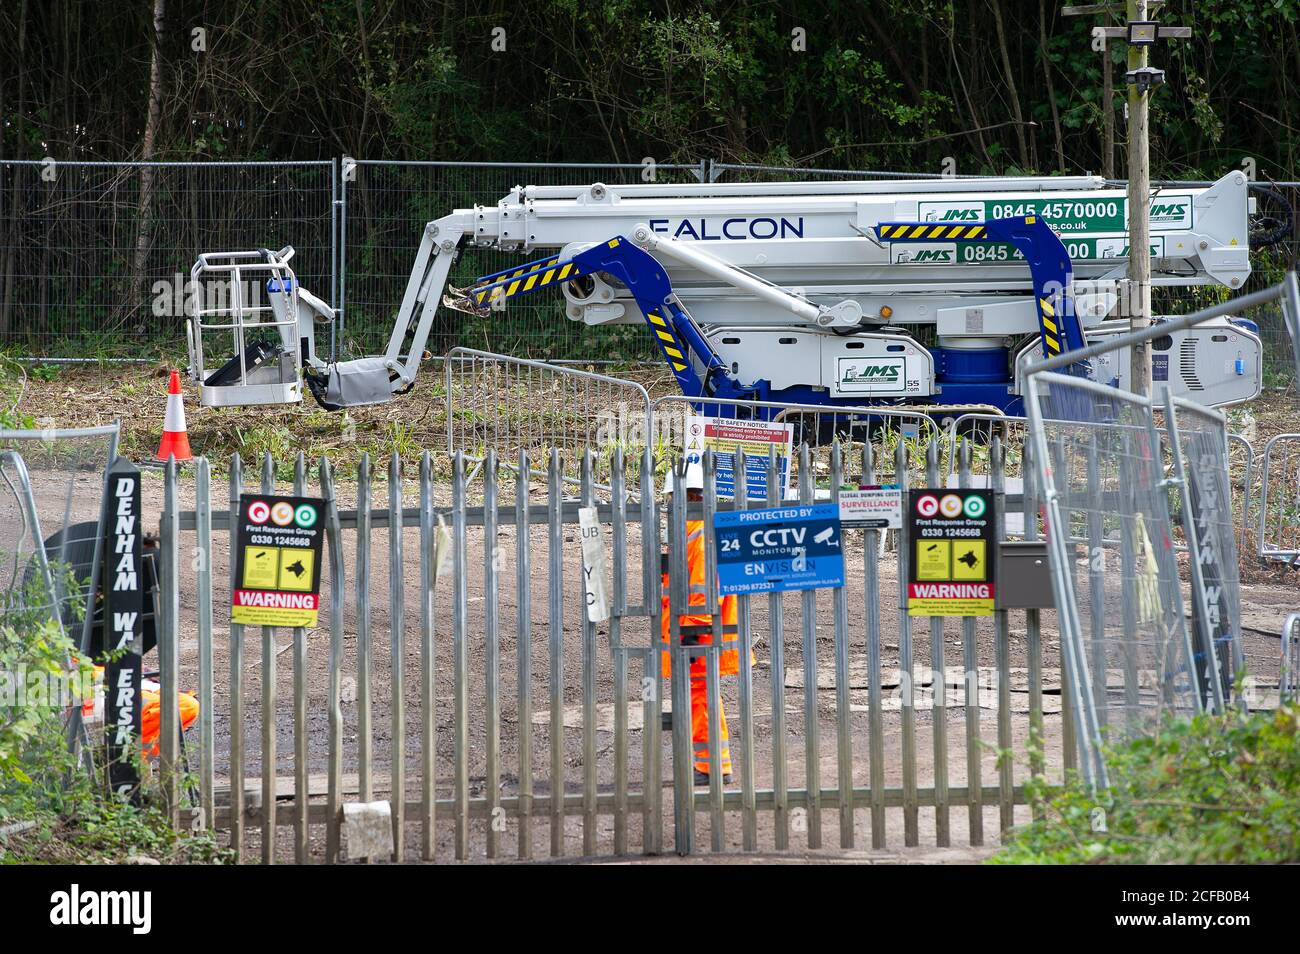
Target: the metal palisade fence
pixel 457 675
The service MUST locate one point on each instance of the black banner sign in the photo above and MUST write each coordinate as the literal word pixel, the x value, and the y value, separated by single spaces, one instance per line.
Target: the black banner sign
pixel 123 612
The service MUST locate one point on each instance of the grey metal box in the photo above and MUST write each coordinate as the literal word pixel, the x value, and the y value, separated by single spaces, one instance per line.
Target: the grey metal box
pixel 1024 575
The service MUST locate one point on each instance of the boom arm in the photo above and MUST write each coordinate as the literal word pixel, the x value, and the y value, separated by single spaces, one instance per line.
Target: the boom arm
pixel 674 330
pixel 1045 253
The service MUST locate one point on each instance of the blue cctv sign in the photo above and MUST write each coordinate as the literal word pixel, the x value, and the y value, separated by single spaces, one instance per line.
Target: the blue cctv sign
pixel 781 548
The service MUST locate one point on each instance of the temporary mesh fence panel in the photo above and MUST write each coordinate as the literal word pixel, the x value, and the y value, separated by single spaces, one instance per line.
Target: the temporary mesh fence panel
pixel 508 405
pixel 821 428
pixel 1289 666
pixel 1279 499
pixel 1098 458
pixel 51 493
pixel 51 485
pixel 1206 506
pixel 94 256
pixel 386 207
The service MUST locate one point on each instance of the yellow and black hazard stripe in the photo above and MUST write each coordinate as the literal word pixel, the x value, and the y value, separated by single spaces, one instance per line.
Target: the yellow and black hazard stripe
pixel 1051 335
pixel 672 348
pixel 925 232
pixel 525 280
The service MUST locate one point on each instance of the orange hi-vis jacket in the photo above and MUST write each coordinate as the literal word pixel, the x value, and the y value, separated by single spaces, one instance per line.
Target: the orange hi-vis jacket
pixel 697 628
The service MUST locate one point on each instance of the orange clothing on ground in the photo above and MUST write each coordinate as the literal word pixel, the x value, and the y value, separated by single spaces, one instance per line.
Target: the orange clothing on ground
pixel 150 713
pixel 151 716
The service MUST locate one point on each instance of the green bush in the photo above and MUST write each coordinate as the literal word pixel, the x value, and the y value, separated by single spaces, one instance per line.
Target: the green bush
pixel 72 818
pixel 1215 789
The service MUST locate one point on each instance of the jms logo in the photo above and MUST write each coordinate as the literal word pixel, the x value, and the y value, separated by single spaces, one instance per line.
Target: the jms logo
pixel 947 212
pixel 933 253
pixel 871 375
pixel 1171 213
pixel 870 372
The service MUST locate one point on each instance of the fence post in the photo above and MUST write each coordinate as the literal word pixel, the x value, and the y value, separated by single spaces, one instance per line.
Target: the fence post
pixel 397 654
pixel 365 650
pixel 938 687
pixel 589 815
pixel 430 541
pixel 652 818
pixel 871 612
pixel 1002 647
pixel 970 663
pixel 523 654
pixel 491 652
pixel 618 498
pixel 334 793
pixel 911 833
pixel 236 676
pixel 712 669
pixel 555 644
pixel 168 647
pixel 776 621
pixel 203 544
pixel 460 655
pixel 679 678
pixel 269 700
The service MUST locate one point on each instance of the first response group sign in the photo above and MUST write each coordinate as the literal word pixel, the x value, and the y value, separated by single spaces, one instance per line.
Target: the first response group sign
pixel 952 551
pixel 277 576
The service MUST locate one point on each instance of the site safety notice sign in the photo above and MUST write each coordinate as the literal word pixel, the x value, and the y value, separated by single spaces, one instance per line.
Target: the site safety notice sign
pixel 952 553
pixel 781 548
pixel 723 435
pixel 277 574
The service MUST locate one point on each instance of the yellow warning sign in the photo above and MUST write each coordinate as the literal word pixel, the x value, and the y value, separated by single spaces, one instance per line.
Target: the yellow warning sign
pixel 933 559
pixel 296 566
pixel 278 568
pixel 261 567
pixel 968 560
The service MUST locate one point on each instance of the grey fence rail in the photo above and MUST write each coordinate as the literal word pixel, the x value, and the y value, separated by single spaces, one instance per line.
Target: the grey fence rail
pixel 503 722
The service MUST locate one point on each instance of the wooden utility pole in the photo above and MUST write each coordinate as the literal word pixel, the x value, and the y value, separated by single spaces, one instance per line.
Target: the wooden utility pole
pixel 1141 34
pixel 1139 218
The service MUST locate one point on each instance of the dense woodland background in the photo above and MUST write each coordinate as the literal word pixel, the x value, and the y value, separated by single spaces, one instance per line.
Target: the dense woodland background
pixel 999 85
pixel 918 86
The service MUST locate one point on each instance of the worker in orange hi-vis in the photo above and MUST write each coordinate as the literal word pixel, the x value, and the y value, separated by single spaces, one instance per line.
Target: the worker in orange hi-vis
pixel 697 629
pixel 150 710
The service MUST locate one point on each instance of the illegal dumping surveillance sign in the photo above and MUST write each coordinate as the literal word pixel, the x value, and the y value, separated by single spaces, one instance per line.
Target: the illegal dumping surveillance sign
pixel 277 577
pixel 781 548
pixel 952 551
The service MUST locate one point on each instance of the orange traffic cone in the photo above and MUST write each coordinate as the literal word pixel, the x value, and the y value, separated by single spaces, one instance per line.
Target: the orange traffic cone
pixel 175 440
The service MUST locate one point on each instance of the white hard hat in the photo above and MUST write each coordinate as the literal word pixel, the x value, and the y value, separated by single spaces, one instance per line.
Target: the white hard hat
pixel 694 477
